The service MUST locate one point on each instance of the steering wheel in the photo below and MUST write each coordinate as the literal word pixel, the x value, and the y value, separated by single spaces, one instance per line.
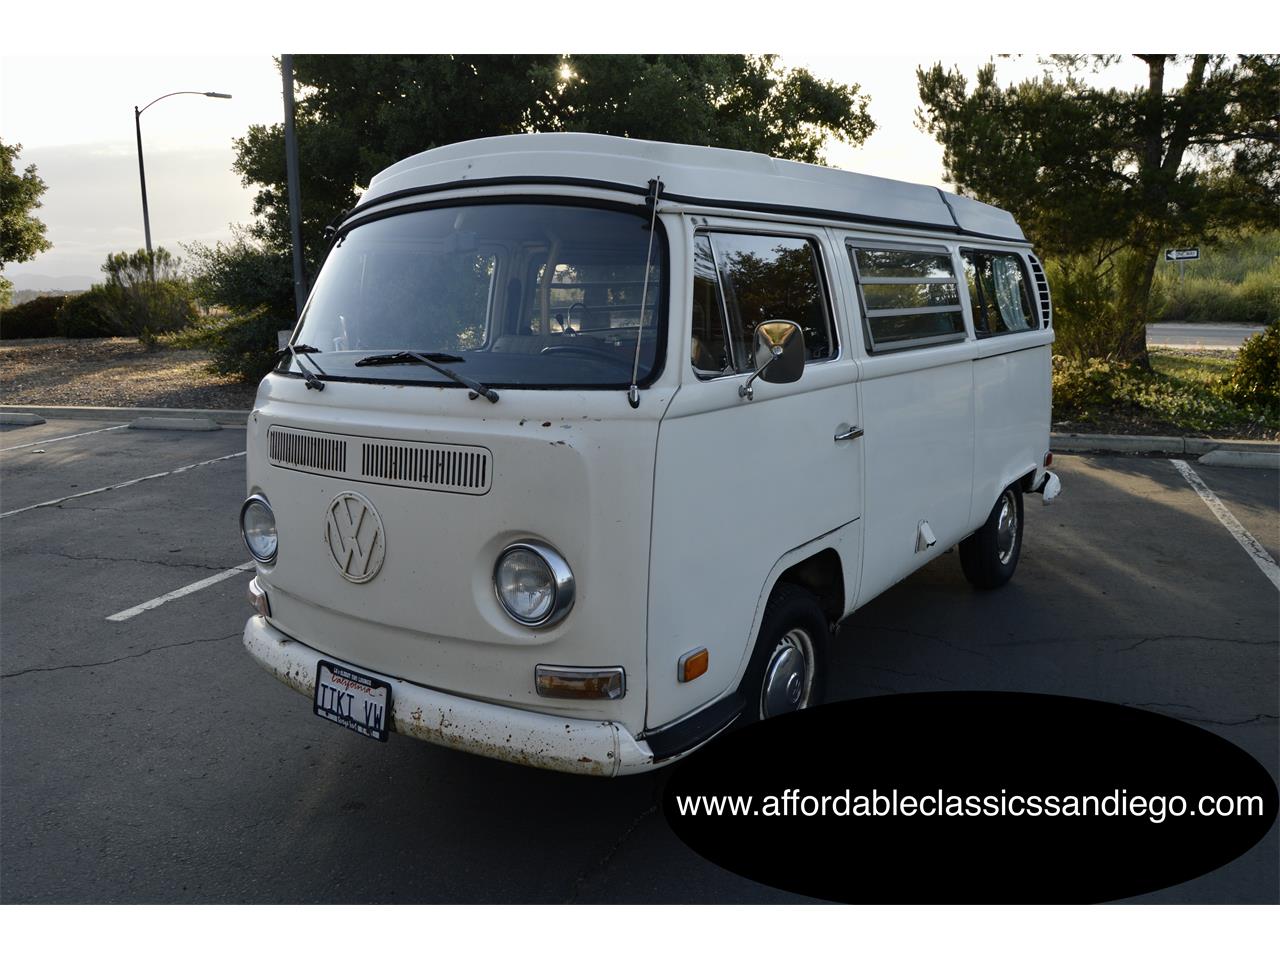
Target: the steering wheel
pixel 586 352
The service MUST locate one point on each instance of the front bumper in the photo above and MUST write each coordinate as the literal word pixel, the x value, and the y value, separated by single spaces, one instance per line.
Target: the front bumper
pixel 596 747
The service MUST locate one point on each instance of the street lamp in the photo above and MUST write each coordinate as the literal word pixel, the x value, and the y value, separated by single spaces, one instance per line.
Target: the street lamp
pixel 142 174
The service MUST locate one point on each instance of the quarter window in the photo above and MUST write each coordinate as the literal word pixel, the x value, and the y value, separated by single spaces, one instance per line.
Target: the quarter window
pixel 742 280
pixel 998 292
pixel 910 298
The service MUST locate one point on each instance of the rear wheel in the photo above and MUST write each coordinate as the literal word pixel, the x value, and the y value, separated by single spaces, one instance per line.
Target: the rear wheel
pixel 788 666
pixel 989 555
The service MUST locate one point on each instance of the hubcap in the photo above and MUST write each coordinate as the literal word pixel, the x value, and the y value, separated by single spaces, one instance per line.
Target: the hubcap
pixel 788 677
pixel 1006 527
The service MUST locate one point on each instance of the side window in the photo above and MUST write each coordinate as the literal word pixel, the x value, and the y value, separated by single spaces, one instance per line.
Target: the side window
pixel 999 293
pixel 763 278
pixel 710 342
pixel 910 298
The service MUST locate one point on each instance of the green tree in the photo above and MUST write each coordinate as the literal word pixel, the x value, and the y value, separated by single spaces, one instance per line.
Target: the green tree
pixel 358 114
pixel 21 232
pixel 1115 175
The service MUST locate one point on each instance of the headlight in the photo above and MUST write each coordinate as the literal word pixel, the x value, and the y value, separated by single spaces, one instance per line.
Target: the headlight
pixel 258 526
pixel 534 584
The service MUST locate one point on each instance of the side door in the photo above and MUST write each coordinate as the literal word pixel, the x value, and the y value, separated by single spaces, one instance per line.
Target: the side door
pixel 917 394
pixel 740 482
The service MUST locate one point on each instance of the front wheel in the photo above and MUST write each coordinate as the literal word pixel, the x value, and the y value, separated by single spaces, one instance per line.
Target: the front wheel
pixel 788 666
pixel 989 555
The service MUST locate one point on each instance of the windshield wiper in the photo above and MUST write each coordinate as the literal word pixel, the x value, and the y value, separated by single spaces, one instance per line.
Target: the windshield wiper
pixel 299 351
pixel 434 361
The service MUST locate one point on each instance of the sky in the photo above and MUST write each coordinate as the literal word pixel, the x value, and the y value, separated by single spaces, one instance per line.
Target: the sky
pixel 74 117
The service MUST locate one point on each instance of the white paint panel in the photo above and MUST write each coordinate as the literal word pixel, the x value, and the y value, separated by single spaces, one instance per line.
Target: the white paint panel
pixel 1011 409
pixel 919 458
pixel 738 484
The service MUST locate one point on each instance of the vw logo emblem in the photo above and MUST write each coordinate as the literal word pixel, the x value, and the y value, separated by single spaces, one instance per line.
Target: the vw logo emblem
pixel 353 531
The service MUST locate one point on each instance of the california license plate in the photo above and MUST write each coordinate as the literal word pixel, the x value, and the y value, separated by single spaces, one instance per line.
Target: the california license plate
pixel 355 700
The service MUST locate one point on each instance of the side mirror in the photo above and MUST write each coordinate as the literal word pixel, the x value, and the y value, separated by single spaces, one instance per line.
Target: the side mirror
pixel 779 355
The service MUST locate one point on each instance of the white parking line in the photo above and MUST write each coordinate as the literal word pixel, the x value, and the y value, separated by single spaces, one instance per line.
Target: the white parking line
pixel 70 436
pixel 1266 563
pixel 180 592
pixel 117 486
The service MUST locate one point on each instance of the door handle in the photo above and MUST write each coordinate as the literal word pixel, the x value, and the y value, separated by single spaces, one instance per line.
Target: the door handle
pixel 847 432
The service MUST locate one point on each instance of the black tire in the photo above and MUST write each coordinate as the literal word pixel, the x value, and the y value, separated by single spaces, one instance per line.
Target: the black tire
pixel 794 618
pixel 989 556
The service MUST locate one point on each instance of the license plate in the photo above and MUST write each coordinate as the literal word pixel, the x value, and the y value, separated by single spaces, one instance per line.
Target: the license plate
pixel 354 700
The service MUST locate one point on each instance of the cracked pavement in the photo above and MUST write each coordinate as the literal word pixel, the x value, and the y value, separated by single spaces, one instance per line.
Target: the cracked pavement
pixel 152 761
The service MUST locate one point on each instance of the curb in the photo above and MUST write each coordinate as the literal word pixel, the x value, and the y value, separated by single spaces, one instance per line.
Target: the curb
pixel 1265 450
pixel 226 417
pixel 19 419
pixel 1257 459
pixel 174 423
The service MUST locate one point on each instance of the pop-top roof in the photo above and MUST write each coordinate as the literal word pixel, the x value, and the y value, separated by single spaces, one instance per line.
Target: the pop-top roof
pixel 711 175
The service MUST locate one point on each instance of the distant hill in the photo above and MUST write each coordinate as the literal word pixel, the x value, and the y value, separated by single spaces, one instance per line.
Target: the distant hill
pixel 67 283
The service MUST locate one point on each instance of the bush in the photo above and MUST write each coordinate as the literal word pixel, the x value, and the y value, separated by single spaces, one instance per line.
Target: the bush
pixel 35 318
pixel 1255 299
pixel 243 346
pixel 244 276
pixel 145 310
pixel 1255 380
pixel 1089 317
pixel 84 315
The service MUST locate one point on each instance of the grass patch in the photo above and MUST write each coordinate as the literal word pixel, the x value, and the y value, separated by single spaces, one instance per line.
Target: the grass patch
pixel 1183 393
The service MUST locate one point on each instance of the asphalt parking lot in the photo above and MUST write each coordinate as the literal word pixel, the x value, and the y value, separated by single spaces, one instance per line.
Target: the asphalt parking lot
pixel 148 759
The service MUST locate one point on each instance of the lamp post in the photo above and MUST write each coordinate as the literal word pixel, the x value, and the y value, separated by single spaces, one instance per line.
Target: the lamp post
pixel 142 173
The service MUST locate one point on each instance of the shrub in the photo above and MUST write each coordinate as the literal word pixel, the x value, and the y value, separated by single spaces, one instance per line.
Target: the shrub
pixel 1255 299
pixel 132 304
pixel 1089 315
pixel 243 276
pixel 145 310
pixel 35 318
pixel 243 346
pixel 84 315
pixel 1255 380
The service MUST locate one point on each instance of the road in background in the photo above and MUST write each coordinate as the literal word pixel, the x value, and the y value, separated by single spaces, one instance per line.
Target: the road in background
pixel 151 760
pixel 1199 336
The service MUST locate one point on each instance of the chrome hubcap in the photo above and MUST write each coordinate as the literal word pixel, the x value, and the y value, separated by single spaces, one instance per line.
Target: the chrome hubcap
pixel 788 677
pixel 1006 527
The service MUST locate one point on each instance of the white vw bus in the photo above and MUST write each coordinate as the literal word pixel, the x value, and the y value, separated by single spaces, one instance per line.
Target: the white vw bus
pixel 583 445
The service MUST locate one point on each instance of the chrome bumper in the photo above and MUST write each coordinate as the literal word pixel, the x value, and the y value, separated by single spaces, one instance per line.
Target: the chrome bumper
pixel 597 747
pixel 1049 487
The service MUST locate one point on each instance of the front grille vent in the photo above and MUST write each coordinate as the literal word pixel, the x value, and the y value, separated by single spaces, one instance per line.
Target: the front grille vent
pixel 1042 286
pixel 307 450
pixel 452 468
pixel 434 466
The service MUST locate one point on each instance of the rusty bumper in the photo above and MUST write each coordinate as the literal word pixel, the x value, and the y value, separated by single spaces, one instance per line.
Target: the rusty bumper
pixel 599 748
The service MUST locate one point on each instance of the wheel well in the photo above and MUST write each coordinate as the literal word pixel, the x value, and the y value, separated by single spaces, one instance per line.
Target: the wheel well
pixel 1027 480
pixel 823 576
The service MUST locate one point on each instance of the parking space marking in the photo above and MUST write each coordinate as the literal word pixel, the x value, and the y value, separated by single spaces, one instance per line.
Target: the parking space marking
pixel 70 436
pixel 180 592
pixel 1266 563
pixel 117 486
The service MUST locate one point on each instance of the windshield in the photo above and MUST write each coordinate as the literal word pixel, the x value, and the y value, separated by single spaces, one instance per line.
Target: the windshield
pixel 510 294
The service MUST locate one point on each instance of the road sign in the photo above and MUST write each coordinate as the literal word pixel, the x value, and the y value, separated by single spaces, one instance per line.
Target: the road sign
pixel 1189 253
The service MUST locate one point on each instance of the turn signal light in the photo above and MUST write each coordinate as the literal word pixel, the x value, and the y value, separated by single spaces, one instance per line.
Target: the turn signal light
pixel 580 683
pixel 693 664
pixel 1048 459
